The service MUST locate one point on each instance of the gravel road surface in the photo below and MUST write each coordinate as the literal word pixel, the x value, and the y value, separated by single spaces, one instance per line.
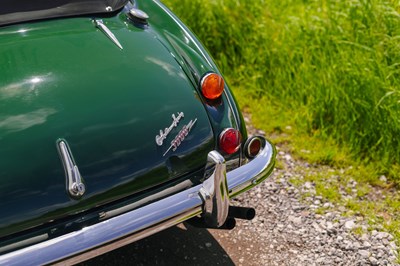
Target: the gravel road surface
pixel 286 231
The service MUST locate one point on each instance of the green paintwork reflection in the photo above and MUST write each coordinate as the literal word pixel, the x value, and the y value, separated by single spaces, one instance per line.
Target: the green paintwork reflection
pixel 66 79
pixel 193 57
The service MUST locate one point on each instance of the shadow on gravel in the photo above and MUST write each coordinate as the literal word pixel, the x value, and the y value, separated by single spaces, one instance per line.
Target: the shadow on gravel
pixel 179 245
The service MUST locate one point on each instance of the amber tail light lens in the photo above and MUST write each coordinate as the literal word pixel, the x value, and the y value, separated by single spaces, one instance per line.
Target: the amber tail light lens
pixel 229 140
pixel 212 86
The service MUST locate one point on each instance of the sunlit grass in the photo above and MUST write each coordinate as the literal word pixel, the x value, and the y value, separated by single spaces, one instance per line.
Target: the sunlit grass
pixel 334 64
pixel 322 78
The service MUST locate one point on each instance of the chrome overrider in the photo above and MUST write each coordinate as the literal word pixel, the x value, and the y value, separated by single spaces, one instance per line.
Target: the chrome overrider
pixel 209 200
pixel 214 191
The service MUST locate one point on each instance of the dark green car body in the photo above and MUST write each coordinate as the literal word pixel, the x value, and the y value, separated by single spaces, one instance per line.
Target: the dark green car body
pixel 62 78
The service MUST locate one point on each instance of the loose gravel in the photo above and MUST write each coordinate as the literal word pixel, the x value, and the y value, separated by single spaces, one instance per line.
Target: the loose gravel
pixel 289 231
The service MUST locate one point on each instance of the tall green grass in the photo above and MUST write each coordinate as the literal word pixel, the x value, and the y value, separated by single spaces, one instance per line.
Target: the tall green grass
pixel 336 61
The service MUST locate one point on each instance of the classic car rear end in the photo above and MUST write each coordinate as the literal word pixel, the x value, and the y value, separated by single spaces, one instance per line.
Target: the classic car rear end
pixel 114 124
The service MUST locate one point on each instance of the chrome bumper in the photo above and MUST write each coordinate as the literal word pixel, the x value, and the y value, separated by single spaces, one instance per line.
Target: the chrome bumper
pixel 207 199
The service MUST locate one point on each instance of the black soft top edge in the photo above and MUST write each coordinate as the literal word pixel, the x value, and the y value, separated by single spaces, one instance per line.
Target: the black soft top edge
pixel 16 11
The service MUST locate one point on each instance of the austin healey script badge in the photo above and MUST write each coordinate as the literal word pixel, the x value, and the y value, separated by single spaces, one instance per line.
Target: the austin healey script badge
pixel 163 134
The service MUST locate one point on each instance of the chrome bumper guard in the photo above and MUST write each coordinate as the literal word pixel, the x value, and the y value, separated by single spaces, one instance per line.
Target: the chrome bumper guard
pixel 209 199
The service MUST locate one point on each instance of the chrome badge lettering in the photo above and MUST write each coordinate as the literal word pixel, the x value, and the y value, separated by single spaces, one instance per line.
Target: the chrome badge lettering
pixel 181 136
pixel 163 134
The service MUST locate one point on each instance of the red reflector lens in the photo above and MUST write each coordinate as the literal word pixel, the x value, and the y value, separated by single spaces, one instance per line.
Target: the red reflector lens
pixel 212 86
pixel 229 140
pixel 254 147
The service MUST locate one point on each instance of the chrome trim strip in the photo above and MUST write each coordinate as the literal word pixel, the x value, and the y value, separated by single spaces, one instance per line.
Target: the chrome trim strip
pixel 75 186
pixel 139 223
pixel 140 203
pixel 102 27
pixel 24 243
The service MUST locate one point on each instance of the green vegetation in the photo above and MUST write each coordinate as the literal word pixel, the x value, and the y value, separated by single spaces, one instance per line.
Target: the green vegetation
pixel 332 67
pixel 321 78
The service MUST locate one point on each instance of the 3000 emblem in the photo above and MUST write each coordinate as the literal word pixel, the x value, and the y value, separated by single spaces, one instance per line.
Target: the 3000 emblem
pixel 181 136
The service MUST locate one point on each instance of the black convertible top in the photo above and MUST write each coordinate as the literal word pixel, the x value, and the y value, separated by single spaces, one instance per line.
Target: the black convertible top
pixel 15 11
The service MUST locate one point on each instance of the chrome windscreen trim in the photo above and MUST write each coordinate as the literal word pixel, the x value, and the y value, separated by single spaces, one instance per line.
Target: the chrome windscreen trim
pixel 139 223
